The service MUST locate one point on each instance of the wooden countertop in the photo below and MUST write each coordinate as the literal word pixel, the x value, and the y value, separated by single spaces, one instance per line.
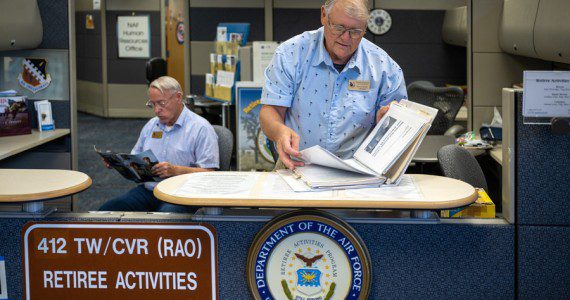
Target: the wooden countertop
pixel 436 192
pixel 11 145
pixel 21 185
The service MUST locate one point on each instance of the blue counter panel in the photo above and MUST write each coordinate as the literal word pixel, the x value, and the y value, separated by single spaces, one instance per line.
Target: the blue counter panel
pixel 428 261
pixel 544 262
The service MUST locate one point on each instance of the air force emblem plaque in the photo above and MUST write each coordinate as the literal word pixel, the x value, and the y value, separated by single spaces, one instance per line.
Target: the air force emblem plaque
pixel 308 255
pixel 34 76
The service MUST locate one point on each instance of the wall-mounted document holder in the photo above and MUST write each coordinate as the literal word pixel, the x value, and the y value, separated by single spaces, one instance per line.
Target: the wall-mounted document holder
pixel 546 99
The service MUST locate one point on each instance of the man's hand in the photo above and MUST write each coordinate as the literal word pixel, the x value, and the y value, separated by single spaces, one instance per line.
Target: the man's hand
pixel 287 145
pixel 382 111
pixel 286 140
pixel 164 170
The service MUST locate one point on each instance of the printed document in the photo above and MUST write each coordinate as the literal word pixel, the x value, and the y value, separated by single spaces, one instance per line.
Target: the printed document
pixel 382 158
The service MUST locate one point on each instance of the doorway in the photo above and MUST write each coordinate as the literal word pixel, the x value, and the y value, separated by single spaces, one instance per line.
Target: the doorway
pixel 175 40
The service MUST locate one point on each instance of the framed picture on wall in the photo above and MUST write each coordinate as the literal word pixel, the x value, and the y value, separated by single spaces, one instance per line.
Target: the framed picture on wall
pixel 133 36
pixel 252 145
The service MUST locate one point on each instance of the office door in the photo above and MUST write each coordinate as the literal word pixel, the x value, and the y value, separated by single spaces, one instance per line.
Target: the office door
pixel 175 39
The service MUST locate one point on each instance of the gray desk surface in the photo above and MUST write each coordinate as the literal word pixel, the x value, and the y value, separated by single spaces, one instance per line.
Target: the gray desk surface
pixel 427 152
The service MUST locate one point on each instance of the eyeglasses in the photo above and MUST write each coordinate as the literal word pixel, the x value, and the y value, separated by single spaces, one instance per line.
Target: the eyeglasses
pixel 339 30
pixel 159 104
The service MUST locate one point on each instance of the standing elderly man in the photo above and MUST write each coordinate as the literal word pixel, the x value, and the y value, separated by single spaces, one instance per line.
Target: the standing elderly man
pixel 329 86
pixel 182 141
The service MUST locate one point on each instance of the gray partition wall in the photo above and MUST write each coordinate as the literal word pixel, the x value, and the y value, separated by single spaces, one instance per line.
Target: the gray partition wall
pixel 110 86
pixel 414 40
pixel 90 59
pixel 542 192
pixel 58 49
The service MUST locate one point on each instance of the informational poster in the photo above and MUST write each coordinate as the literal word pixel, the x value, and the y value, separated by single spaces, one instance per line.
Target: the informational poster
pixel 133 34
pixel 262 55
pixel 546 94
pixel 119 261
pixel 253 145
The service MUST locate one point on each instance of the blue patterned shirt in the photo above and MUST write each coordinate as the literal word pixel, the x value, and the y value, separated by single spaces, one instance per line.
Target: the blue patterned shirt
pixel 190 142
pixel 322 109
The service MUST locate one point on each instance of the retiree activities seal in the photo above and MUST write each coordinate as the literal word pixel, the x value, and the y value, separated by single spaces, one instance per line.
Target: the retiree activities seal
pixel 308 254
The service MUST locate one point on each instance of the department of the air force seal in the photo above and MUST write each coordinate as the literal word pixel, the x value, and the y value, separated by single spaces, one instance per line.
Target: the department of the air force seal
pixel 34 76
pixel 308 255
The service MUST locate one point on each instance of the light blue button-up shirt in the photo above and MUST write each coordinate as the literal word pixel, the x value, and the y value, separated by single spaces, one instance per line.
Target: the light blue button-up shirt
pixel 322 110
pixel 190 142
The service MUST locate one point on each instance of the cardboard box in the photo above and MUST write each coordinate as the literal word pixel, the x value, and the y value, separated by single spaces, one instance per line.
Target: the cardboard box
pixel 482 208
pixel 14 116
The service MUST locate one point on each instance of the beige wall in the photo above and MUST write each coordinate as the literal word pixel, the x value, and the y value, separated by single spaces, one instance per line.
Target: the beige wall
pixel 114 100
pixel 151 5
pixel 490 69
pixel 83 5
pixel 128 100
pixel 90 97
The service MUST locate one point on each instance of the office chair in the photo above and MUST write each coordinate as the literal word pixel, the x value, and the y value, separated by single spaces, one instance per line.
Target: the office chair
pixel 155 67
pixel 447 100
pixel 456 162
pixel 225 145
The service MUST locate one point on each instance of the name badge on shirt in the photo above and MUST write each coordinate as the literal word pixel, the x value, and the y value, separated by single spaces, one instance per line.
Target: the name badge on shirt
pixel 157 134
pixel 359 85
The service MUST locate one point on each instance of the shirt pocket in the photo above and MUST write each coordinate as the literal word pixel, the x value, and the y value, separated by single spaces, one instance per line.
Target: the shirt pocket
pixel 362 108
pixel 182 156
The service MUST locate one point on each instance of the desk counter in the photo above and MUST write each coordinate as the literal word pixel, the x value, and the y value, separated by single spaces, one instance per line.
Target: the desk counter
pixel 23 185
pixel 12 145
pixel 433 192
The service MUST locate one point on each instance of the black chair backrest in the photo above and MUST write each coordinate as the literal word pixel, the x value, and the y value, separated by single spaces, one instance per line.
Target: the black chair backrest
pixel 447 100
pixel 457 162
pixel 155 67
pixel 225 145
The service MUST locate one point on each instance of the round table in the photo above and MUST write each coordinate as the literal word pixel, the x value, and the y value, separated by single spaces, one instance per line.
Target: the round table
pixel 435 192
pixel 31 186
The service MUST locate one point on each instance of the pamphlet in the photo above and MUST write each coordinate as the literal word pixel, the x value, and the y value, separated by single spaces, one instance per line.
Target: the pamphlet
pixel 382 158
pixel 135 167
pixel 222 34
pixel 45 118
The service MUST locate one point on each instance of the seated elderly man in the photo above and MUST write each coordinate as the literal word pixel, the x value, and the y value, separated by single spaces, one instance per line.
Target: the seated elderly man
pixel 182 141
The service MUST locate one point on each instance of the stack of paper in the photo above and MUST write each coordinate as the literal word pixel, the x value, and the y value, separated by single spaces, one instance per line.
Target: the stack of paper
pixel 382 158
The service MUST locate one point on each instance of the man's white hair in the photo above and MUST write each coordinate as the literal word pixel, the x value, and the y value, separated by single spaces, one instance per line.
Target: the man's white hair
pixel 355 8
pixel 166 84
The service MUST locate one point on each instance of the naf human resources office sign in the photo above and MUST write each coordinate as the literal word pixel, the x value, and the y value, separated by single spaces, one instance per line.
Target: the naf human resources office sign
pixel 133 34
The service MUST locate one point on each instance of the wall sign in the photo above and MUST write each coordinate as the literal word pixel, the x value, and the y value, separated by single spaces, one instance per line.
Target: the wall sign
pixel 133 34
pixel 546 94
pixel 120 261
pixel 89 23
pixel 180 33
pixel 34 76
pixel 308 254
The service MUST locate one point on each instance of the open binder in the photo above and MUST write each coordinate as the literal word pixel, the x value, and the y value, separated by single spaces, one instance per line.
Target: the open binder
pixel 382 158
